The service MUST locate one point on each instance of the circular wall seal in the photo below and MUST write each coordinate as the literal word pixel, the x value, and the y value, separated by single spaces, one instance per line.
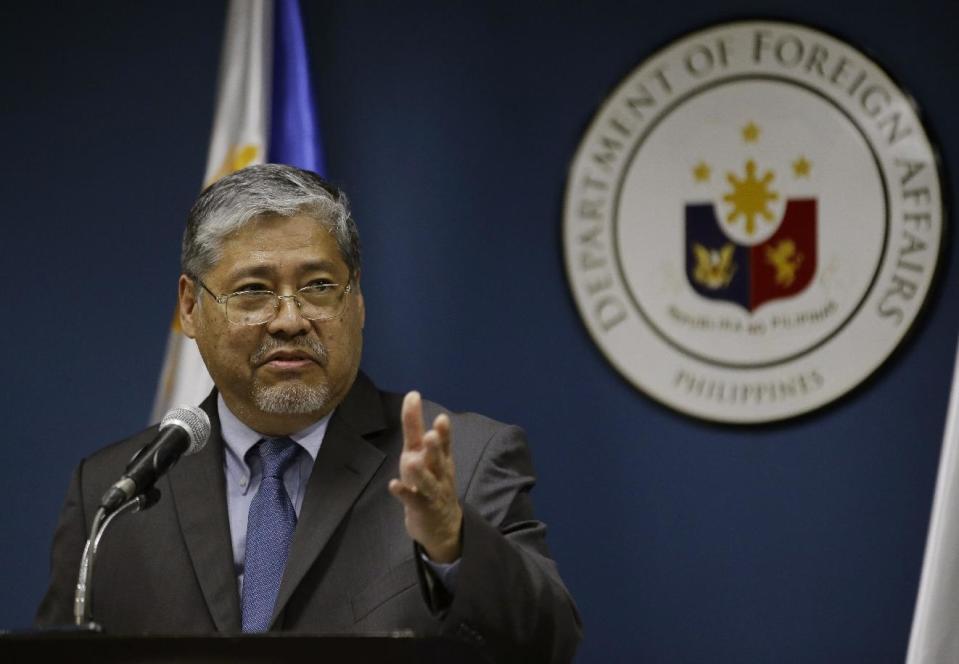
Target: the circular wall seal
pixel 752 221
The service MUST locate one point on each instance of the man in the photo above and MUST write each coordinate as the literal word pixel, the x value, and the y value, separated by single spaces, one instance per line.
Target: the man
pixel 320 504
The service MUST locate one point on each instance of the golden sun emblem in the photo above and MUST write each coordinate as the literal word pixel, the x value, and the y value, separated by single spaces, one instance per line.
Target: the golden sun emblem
pixel 750 197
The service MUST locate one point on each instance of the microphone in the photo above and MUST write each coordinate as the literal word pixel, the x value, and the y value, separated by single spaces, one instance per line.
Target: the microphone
pixel 184 430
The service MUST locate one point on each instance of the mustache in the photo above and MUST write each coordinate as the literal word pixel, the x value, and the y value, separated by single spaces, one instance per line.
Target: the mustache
pixel 312 347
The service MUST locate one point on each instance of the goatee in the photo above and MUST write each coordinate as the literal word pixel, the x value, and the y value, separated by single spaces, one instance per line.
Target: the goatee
pixel 293 397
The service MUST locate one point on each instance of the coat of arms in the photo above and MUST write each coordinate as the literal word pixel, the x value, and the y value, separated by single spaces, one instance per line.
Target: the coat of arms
pixel 753 266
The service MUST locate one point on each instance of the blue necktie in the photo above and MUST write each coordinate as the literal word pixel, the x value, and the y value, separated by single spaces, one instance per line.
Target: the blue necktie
pixel 269 532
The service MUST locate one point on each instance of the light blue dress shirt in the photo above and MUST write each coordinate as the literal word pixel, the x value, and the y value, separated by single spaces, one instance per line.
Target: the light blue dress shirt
pixel 243 480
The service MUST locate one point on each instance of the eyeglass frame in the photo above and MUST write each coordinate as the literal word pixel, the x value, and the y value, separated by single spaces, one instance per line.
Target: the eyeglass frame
pixel 223 299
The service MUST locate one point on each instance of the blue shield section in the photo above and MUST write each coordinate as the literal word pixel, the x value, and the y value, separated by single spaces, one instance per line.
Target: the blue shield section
pixel 716 267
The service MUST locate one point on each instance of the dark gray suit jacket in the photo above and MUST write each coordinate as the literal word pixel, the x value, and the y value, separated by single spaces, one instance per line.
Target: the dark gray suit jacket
pixel 352 567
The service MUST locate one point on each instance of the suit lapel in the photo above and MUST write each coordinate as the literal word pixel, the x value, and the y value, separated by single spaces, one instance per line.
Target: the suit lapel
pixel 199 495
pixel 344 467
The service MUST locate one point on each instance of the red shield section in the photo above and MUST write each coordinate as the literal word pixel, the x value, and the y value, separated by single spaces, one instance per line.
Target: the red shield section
pixel 785 264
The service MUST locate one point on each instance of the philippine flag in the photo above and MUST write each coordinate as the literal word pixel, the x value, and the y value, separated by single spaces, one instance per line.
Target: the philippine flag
pixel 264 113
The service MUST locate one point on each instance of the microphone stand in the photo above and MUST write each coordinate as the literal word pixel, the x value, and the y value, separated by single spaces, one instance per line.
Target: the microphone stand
pixel 101 521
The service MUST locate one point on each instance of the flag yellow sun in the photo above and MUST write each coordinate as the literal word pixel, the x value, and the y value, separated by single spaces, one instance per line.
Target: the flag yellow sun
pixel 237 157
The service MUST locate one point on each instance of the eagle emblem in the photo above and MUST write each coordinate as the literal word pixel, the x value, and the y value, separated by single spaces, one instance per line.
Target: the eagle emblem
pixel 714 267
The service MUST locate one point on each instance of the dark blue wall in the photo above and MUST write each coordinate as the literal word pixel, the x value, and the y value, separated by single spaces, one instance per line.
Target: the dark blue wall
pixel 452 126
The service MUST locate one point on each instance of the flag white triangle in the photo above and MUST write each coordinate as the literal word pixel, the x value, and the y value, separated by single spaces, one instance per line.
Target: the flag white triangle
pixel 239 138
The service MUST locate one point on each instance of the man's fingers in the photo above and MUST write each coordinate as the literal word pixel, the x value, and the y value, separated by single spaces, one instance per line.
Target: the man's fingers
pixel 412 416
pixel 441 425
pixel 435 451
pixel 400 490
pixel 426 466
pixel 405 492
pixel 417 465
pixel 424 492
pixel 427 486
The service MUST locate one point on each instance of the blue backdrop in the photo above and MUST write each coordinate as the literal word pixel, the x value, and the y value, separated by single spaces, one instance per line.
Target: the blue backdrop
pixel 452 126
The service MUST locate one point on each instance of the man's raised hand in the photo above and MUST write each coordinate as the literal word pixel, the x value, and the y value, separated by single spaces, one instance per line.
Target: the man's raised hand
pixel 426 485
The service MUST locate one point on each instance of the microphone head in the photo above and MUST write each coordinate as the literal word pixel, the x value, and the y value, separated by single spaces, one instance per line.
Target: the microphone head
pixel 192 420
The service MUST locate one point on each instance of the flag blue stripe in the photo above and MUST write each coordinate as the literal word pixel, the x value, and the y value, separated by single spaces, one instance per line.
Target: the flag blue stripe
pixel 294 133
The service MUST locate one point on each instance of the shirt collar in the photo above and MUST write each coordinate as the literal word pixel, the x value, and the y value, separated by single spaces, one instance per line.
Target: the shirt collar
pixel 239 438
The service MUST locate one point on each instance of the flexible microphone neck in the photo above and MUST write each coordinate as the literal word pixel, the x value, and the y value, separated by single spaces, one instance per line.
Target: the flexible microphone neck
pixel 183 431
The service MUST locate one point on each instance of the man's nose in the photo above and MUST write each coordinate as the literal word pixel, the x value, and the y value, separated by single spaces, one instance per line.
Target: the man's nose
pixel 289 319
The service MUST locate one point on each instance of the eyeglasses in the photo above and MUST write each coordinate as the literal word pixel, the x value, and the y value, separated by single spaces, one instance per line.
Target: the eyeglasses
pixel 256 307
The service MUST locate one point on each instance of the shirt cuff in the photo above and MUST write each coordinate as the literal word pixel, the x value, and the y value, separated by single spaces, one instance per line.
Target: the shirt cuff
pixel 445 573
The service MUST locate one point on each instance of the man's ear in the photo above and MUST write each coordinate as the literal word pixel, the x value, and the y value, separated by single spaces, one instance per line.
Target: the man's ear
pixel 359 300
pixel 187 305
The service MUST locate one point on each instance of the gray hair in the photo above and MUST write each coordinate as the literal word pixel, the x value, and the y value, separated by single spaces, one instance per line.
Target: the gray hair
pixel 264 190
